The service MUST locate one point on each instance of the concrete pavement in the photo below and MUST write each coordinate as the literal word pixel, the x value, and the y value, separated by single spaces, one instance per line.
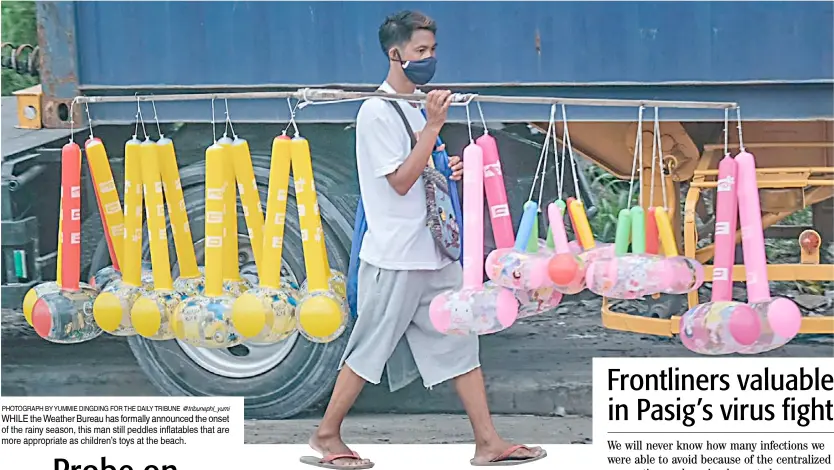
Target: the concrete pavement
pixel 425 429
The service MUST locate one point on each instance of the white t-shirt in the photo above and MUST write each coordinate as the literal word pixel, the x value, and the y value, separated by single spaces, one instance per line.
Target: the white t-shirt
pixel 397 236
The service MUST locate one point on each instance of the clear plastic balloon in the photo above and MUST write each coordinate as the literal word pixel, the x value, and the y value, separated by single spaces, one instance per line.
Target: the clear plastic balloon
pixel 266 315
pixel 113 305
pixel 191 286
pixel 635 276
pixel 716 328
pixel 780 319
pixel 205 322
pixel 517 270
pixel 152 313
pixel 236 287
pixel 481 311
pixel 66 317
pixel 35 294
pixel 537 301
pixel 599 251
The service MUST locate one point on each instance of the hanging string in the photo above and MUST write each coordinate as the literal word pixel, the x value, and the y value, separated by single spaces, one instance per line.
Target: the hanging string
pixel 738 124
pixel 89 119
pixel 559 164
pixel 638 148
pixel 658 142
pixel 726 131
pixel 140 119
pixel 569 145
pixel 469 125
pixel 481 112
pixel 292 123
pixel 156 119
pixel 213 123
pixel 655 152
pixel 545 146
pixel 72 121
pixel 551 129
pixel 654 160
pixel 229 121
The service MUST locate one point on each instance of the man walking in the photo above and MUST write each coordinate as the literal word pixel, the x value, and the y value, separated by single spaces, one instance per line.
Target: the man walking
pixel 401 268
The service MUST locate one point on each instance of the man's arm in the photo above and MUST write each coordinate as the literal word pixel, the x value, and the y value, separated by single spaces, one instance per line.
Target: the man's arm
pixel 437 107
pixel 404 177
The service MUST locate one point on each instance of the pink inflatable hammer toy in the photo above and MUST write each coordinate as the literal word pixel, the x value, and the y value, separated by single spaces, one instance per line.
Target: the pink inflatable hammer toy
pixel 515 268
pixel 475 308
pixel 781 318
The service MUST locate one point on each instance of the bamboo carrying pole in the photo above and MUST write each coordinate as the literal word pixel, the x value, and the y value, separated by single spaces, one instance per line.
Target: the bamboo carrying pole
pixel 312 95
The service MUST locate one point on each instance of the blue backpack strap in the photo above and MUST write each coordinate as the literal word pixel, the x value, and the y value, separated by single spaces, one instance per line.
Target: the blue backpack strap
pixel 441 163
pixel 360 226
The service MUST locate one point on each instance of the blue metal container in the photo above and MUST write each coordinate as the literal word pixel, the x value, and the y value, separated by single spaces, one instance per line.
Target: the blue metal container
pixel 774 58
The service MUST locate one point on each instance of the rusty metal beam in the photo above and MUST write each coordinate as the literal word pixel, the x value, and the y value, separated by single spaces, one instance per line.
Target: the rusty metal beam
pixel 58 63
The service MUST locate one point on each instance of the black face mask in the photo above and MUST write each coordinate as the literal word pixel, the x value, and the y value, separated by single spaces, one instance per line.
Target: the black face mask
pixel 418 72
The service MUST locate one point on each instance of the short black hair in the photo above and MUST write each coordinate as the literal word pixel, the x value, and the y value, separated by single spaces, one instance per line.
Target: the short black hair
pixel 398 28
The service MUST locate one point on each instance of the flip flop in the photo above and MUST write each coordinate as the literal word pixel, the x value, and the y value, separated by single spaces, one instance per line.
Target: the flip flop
pixel 327 461
pixel 506 458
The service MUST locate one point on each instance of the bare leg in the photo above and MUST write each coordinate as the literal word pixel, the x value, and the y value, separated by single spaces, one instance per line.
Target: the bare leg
pixel 488 444
pixel 327 439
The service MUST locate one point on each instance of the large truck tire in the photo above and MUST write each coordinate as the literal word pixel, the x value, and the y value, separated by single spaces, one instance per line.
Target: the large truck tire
pixel 280 380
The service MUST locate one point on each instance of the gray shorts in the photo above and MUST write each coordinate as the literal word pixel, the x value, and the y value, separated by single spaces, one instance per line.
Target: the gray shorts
pixel 393 328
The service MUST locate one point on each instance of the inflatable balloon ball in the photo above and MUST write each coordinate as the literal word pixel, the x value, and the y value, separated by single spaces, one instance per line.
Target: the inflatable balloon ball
pixel 35 294
pixel 266 315
pixel 567 271
pixel 484 310
pixel 517 270
pixel 205 322
pixel 633 276
pixel 323 316
pixel 780 319
pixel 112 307
pixel 152 313
pixel 717 328
pixel 66 317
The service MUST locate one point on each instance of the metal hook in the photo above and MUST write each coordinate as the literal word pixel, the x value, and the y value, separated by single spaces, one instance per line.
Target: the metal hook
pixel 72 121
